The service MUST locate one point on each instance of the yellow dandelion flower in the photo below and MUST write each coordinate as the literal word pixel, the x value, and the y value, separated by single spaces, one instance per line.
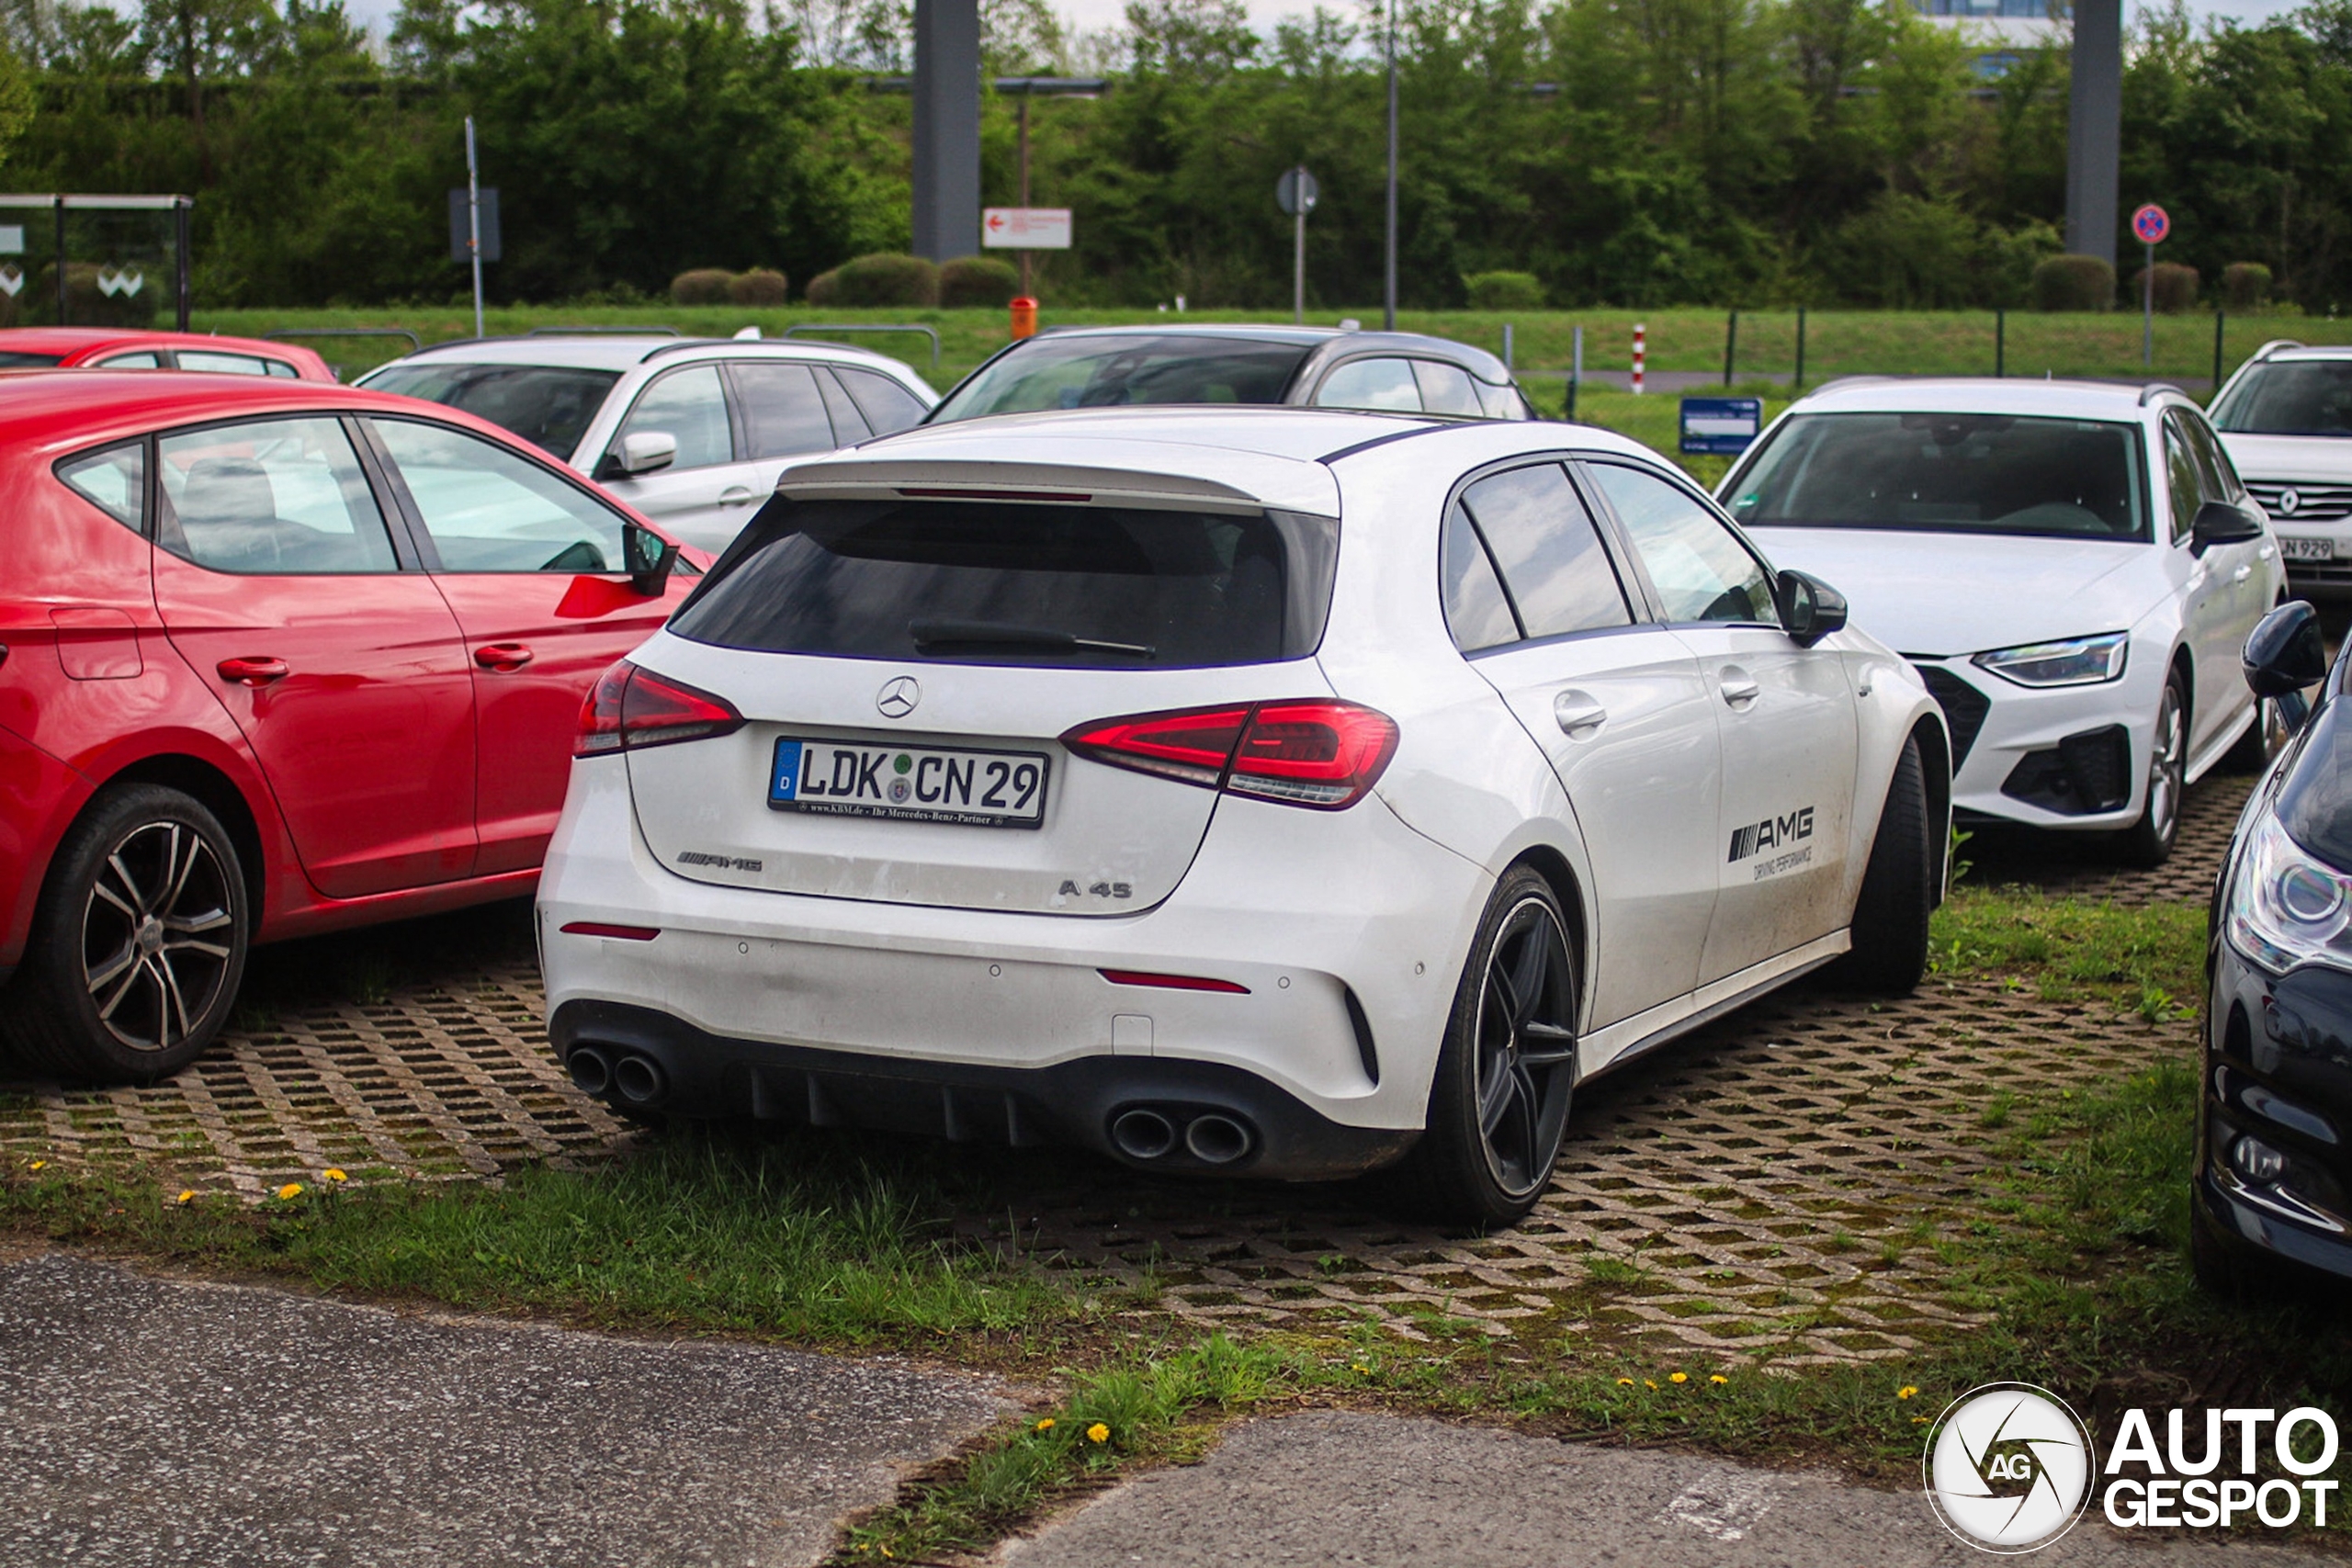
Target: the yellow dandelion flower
pixel 1918 1420
pixel 1047 1425
pixel 1360 1367
pixel 1905 1392
pixel 1098 1433
pixel 1624 1383
pixel 1678 1377
pixel 1717 1377
pixel 187 1196
pixel 332 1174
pixel 290 1191
pixel 1648 1385
pixel 40 1164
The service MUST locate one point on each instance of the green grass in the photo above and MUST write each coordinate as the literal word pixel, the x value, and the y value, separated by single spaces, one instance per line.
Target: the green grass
pixel 2148 960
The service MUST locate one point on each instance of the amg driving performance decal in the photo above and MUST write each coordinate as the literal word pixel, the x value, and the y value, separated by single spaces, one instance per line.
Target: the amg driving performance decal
pixel 723 862
pixel 1773 832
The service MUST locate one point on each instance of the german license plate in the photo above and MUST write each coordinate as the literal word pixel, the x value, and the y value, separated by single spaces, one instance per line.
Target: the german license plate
pixel 2307 549
pixel 909 784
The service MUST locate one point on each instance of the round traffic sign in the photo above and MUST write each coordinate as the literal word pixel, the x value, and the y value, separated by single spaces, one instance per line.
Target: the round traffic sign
pixel 2151 223
pixel 1296 192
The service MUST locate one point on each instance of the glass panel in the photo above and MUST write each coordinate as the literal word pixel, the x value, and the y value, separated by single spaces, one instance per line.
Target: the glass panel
pixel 1500 402
pixel 115 480
pixel 1446 389
pixel 691 406
pixel 283 497
pixel 2297 397
pixel 224 364
pixel 887 405
pixel 1702 572
pixel 782 407
pixel 491 509
pixel 1560 579
pixel 18 359
pixel 2182 481
pixel 280 368
pixel 849 425
pixel 145 361
pixel 1381 384
pixel 549 408
pixel 1098 372
pixel 1475 610
pixel 1947 473
pixel 2213 464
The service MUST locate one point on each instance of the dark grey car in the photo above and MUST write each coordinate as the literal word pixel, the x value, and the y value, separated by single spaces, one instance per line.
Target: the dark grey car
pixel 1305 366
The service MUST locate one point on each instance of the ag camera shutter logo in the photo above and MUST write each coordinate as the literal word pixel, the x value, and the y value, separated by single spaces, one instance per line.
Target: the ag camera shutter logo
pixel 2009 1468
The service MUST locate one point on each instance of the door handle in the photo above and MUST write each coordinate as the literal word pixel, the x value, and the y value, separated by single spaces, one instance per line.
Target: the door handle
pixel 1738 687
pixel 504 658
pixel 251 671
pixel 1579 716
pixel 734 495
pixel 2241 574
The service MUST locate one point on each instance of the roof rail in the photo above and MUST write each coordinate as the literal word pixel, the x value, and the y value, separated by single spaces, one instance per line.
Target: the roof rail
pixel 866 327
pixel 658 349
pixel 603 331
pixel 2273 347
pixel 1845 381
pixel 2149 392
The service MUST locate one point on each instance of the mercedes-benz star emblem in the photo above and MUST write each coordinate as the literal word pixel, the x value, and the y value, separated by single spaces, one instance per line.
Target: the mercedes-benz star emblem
pixel 2291 501
pixel 897 697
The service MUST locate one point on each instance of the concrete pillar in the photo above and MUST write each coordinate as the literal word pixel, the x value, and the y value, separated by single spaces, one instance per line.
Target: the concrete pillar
pixel 2095 129
pixel 947 128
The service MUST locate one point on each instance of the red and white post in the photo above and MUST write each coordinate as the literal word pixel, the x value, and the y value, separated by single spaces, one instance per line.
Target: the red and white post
pixel 1641 353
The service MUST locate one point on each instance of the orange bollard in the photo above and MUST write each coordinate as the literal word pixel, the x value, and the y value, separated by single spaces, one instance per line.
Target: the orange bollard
pixel 1024 318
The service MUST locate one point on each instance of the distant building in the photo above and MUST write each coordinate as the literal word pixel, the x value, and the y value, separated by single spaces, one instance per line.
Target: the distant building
pixel 2006 25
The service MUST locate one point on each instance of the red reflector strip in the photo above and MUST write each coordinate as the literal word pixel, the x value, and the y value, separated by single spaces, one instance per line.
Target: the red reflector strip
pixel 601 928
pixel 995 495
pixel 1171 982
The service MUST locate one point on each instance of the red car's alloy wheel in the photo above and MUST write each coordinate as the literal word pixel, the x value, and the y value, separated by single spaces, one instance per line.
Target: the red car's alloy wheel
pixel 156 936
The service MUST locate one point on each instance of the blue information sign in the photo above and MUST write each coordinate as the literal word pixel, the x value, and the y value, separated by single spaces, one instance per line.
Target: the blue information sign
pixel 1725 425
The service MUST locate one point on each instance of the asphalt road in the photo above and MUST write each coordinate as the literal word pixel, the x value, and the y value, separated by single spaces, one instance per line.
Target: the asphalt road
pixel 147 1421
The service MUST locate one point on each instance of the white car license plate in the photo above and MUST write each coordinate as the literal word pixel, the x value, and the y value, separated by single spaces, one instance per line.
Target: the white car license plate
pixel 2307 549
pixel 909 784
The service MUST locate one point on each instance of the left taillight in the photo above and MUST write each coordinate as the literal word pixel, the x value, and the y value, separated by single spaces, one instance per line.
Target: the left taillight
pixel 630 708
pixel 1315 751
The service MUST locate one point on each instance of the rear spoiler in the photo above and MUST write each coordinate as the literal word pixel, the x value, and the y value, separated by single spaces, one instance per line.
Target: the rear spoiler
pixel 1246 482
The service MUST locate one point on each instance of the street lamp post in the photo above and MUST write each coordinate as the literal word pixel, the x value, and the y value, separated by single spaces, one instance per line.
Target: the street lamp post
pixel 1388 281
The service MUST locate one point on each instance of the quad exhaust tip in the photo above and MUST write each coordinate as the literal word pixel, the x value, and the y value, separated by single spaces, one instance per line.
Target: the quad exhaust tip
pixel 1216 1140
pixel 640 1080
pixel 592 1070
pixel 1144 1134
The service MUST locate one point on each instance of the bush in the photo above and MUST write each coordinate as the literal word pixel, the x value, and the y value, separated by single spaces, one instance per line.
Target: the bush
pixel 761 286
pixel 825 288
pixel 703 286
pixel 883 280
pixel 1504 292
pixel 978 280
pixel 2074 283
pixel 2246 286
pixel 2176 289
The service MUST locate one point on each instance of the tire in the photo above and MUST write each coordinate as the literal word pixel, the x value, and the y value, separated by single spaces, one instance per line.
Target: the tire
pixel 138 944
pixel 2222 1272
pixel 2261 742
pixel 2147 843
pixel 1890 925
pixel 1512 1055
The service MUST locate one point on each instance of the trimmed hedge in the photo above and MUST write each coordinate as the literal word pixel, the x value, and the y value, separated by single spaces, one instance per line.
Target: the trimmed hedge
pixel 703 286
pixel 1504 292
pixel 884 278
pixel 977 281
pixel 2074 283
pixel 2176 290
pixel 761 286
pixel 2245 286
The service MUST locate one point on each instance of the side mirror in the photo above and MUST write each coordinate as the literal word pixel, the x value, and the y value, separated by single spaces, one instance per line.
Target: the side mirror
pixel 2223 523
pixel 647 557
pixel 1810 609
pixel 2287 653
pixel 642 452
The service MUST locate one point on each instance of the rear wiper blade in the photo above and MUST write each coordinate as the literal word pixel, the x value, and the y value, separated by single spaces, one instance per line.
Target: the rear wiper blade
pixel 1001 633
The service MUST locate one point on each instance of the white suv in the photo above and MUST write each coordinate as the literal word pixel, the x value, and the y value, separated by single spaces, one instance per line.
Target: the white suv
pixel 2286 418
pixel 692 431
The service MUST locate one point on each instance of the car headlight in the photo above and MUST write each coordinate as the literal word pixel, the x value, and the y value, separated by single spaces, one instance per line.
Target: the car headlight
pixel 2078 661
pixel 2285 907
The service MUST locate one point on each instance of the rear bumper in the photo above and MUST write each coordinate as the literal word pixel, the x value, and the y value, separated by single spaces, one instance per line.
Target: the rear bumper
pixel 1075 1101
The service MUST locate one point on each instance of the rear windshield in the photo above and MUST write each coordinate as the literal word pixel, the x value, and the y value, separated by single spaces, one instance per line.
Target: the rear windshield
pixel 548 406
pixel 1948 473
pixel 983 582
pixel 1104 372
pixel 2310 398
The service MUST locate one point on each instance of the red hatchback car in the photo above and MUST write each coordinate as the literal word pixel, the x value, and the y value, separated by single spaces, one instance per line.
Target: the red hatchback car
pixel 126 348
pixel 275 657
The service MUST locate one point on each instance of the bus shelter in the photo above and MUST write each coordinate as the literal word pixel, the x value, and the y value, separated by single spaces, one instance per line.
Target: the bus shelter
pixel 93 261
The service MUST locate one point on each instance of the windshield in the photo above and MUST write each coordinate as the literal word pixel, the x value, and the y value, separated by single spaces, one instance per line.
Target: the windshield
pixel 2306 398
pixel 1104 372
pixel 18 359
pixel 548 406
pixel 1947 473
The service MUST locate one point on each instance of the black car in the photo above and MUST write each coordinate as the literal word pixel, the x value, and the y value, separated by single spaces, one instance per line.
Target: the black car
pixel 2274 1125
pixel 1080 367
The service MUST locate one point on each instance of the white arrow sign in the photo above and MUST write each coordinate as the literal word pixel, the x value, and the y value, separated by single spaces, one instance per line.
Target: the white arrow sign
pixel 1025 228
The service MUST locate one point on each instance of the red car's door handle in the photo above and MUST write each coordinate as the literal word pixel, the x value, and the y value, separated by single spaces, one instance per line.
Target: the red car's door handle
pixel 506 658
pixel 251 671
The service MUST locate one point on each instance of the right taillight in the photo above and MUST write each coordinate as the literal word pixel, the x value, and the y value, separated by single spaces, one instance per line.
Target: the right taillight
pixel 629 709
pixel 1315 751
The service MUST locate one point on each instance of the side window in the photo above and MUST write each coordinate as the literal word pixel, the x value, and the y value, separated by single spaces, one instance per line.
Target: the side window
pixel 1536 526
pixel 887 405
pixel 225 364
pixel 270 498
pixel 849 425
pixel 690 406
pixel 144 360
pixel 283 371
pixel 1446 389
pixel 1501 403
pixel 782 410
pixel 1384 385
pixel 1701 571
pixel 114 480
pixel 1476 611
pixel 491 509
pixel 2219 475
pixel 2183 483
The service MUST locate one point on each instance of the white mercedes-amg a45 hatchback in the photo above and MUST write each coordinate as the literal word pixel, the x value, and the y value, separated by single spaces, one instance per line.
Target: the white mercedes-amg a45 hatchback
pixel 1281 792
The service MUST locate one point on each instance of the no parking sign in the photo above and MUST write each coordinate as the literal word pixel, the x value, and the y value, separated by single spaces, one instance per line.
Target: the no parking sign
pixel 2151 223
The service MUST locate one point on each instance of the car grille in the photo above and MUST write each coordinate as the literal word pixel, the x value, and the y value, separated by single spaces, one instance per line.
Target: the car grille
pixel 2313 502
pixel 1964 708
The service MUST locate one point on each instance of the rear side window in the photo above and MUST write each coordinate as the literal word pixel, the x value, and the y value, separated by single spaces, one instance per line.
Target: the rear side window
pixel 1477 613
pixel 1049 586
pixel 887 405
pixel 1384 386
pixel 1536 527
pixel 114 480
pixel 221 364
